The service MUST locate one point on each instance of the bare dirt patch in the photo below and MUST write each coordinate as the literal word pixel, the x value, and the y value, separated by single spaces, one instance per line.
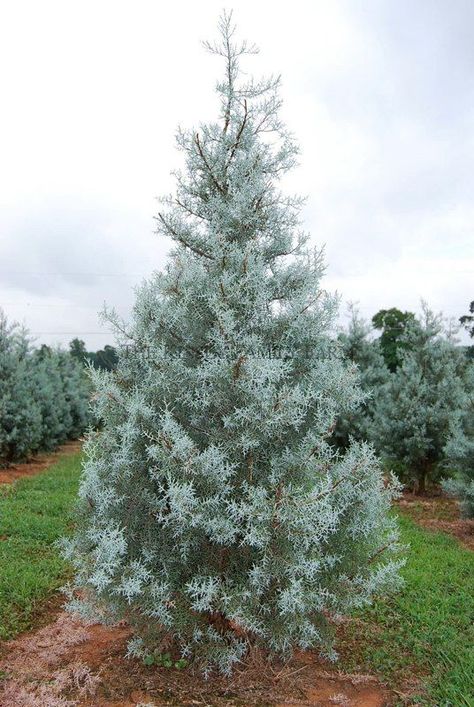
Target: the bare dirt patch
pixel 69 663
pixel 38 463
pixel 461 529
pixel 438 512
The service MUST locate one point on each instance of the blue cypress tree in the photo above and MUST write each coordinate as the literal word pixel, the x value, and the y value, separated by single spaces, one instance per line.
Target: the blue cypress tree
pixel 20 415
pixel 459 449
pixel 415 410
pixel 213 509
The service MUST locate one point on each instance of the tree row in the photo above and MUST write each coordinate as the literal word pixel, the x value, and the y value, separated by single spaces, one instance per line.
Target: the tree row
pixel 44 395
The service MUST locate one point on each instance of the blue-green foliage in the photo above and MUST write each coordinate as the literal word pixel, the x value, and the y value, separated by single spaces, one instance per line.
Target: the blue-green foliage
pixel 360 348
pixel 459 450
pixel 416 409
pixel 43 396
pixel 20 414
pixel 420 415
pixel 213 508
pixel 51 397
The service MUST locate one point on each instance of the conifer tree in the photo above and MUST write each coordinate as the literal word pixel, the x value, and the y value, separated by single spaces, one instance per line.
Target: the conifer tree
pixel 50 394
pixel 76 388
pixel 459 450
pixel 213 510
pixel 366 354
pixel 416 409
pixel 20 415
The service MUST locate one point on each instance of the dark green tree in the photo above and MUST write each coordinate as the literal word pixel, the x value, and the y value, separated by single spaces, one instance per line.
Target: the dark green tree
pixel 393 323
pixel 467 320
pixel 77 349
pixel 104 359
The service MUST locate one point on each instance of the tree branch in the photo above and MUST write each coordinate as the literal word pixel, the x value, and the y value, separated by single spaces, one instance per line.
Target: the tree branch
pixel 184 242
pixel 208 167
pixel 238 136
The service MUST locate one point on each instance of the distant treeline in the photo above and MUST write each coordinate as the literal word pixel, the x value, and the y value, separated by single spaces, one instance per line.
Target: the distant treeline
pixel 105 359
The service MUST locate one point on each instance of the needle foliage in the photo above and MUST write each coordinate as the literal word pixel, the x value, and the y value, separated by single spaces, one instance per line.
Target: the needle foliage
pixel 213 509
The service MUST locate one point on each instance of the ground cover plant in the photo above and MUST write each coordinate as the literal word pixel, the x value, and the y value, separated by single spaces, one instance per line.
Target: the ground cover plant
pixel 214 512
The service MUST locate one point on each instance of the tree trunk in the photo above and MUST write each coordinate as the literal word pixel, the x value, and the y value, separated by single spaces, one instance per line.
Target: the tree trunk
pixel 422 476
pixel 422 483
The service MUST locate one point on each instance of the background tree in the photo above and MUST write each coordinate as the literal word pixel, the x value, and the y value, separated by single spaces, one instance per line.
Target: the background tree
pixel 415 410
pixel 366 354
pixel 77 392
pixel 105 358
pixel 393 323
pixel 459 451
pixel 20 415
pixel 50 394
pixel 44 395
pixel 213 509
pixel 467 320
pixel 77 350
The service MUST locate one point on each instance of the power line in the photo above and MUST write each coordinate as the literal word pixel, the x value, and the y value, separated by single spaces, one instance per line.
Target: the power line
pixel 68 333
pixel 38 304
pixel 69 274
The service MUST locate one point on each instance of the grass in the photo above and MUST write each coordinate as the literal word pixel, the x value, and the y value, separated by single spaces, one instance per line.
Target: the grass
pixel 34 513
pixel 427 630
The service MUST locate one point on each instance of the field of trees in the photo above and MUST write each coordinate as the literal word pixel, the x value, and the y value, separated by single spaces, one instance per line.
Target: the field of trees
pixel 266 509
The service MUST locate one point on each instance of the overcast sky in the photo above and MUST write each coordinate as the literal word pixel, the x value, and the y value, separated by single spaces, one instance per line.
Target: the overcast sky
pixel 380 94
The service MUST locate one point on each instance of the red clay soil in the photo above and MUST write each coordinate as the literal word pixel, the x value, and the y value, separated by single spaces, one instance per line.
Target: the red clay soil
pixel 67 663
pixel 38 463
pixel 440 513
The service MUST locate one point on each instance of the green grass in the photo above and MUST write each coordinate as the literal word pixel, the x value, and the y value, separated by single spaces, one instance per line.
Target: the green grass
pixel 427 630
pixel 34 513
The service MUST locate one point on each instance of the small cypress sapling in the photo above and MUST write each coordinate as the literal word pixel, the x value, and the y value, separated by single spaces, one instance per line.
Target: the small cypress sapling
pixel 415 410
pixel 213 510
